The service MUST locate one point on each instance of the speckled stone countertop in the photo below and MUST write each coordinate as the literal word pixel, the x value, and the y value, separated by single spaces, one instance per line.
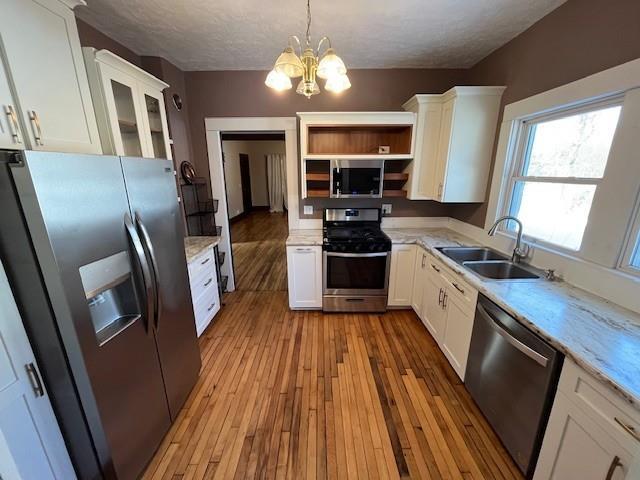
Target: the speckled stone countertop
pixel 305 237
pixel 601 337
pixel 194 245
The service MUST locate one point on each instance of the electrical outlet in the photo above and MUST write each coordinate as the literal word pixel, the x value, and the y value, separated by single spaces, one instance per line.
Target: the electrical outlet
pixel 308 209
pixel 386 209
pixel 384 149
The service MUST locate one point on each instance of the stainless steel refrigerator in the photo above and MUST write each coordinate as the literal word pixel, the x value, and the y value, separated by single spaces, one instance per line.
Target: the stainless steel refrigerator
pixel 93 247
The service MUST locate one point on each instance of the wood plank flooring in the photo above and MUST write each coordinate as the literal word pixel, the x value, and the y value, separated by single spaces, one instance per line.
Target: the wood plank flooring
pixel 297 395
pixel 259 252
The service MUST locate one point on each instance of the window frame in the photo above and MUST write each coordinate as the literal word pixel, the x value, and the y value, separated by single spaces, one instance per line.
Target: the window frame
pixel 517 161
pixel 632 244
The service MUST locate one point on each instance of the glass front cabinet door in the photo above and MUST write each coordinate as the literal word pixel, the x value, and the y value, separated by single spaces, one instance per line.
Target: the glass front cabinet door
pixel 129 105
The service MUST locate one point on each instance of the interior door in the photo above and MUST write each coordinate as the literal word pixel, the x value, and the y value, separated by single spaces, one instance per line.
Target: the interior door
pixel 245 178
pixel 153 200
pixel 31 445
pixel 45 60
pixel 76 206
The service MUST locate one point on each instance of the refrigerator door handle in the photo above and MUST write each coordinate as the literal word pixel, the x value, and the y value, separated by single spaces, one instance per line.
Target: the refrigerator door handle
pixel 134 239
pixel 148 246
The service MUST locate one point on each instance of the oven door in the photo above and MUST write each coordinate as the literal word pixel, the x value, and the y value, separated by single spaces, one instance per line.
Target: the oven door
pixel 356 178
pixel 355 273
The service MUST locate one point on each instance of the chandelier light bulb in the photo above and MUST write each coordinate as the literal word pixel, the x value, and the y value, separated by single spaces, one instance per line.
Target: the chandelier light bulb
pixel 278 81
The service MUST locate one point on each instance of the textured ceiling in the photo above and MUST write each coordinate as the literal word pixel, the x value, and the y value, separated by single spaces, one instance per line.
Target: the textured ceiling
pixel 249 34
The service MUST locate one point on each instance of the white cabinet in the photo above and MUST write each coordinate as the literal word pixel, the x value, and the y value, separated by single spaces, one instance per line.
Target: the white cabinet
pixel 455 133
pixel 205 295
pixel 592 434
pixel 45 69
pixel 304 271
pixel 11 136
pixel 403 259
pixel 31 445
pixel 446 306
pixel 129 106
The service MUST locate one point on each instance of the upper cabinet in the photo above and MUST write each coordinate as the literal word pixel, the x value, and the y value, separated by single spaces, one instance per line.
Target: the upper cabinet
pixel 44 93
pixel 129 106
pixel 455 133
pixel 357 136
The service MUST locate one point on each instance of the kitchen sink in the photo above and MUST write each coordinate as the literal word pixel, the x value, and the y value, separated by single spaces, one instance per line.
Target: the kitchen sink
pixel 471 254
pixel 499 270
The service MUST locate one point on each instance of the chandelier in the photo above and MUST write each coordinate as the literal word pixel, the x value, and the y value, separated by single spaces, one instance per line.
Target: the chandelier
pixel 308 64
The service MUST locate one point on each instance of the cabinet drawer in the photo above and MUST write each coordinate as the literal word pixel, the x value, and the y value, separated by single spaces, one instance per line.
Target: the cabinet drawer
pixel 205 304
pixel 205 284
pixel 602 405
pixel 456 287
pixel 202 262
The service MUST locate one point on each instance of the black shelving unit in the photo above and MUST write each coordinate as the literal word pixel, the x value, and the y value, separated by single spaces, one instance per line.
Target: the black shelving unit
pixel 199 209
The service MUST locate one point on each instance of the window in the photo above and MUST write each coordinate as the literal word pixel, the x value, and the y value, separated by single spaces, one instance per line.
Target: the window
pixel 559 164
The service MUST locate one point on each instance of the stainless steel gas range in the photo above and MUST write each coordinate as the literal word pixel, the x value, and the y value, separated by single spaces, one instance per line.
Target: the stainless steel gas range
pixel 356 257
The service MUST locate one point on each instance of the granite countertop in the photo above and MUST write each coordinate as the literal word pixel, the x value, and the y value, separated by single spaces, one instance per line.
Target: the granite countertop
pixel 600 336
pixel 305 237
pixel 193 246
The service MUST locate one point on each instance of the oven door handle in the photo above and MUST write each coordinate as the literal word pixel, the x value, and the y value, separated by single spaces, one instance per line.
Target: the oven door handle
pixel 355 255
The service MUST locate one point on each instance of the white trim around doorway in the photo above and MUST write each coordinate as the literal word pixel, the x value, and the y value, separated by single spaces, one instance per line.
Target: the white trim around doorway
pixel 214 126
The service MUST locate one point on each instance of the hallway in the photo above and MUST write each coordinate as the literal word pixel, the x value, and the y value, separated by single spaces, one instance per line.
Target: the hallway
pixel 259 254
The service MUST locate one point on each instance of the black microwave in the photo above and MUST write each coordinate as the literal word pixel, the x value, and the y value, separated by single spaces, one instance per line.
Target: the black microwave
pixel 356 178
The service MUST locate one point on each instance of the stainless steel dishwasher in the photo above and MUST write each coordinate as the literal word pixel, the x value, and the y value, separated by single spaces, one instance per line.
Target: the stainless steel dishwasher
pixel 512 374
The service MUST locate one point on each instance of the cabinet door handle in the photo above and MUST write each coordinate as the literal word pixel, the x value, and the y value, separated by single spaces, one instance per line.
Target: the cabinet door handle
pixel 37 130
pixel 14 126
pixel 440 297
pixel 303 250
pixel 424 257
pixel 211 307
pixel 458 287
pixel 628 428
pixel 208 282
pixel 439 190
pixel 615 463
pixel 444 300
pixel 435 268
pixel 34 378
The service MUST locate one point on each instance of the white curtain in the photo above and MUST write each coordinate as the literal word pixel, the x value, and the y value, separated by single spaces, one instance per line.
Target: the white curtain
pixel 277 181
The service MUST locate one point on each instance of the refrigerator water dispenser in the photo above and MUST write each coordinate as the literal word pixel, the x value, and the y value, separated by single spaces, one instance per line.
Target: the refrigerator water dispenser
pixel 110 293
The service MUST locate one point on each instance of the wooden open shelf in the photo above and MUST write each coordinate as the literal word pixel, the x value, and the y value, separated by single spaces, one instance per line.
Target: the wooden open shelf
pixel 396 177
pixel 318 193
pixel 127 126
pixel 358 139
pixel 318 177
pixel 394 193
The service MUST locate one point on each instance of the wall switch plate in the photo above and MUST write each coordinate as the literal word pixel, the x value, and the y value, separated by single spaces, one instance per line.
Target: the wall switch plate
pixel 386 209
pixel 308 209
pixel 384 149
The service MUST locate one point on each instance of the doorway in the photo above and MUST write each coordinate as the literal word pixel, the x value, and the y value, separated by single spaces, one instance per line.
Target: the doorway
pixel 245 178
pixel 255 241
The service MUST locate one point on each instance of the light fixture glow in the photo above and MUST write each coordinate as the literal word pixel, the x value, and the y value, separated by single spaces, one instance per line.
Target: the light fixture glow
pixel 308 64
pixel 278 81
pixel 338 83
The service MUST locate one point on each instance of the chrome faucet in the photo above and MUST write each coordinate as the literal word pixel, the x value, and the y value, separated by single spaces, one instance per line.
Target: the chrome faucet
pixel 520 251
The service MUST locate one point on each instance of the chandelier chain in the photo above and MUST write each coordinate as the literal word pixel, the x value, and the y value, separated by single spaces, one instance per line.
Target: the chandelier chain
pixel 308 23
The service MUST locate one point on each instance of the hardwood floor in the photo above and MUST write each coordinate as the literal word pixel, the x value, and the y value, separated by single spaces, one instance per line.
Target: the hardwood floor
pixel 286 394
pixel 259 253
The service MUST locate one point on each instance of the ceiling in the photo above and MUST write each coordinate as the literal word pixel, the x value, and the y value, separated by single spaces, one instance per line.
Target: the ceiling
pixel 249 34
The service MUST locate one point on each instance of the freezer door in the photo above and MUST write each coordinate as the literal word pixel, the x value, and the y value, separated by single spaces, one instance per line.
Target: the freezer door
pixel 154 205
pixel 93 266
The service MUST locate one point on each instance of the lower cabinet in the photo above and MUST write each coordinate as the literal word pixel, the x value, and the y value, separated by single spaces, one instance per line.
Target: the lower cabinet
pixel 446 306
pixel 403 258
pixel 591 434
pixel 203 280
pixel 304 271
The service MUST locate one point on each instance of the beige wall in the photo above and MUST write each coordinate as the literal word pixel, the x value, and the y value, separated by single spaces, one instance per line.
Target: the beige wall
pixel 257 151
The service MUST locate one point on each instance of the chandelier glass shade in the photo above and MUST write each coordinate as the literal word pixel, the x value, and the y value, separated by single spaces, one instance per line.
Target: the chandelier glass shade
pixel 309 64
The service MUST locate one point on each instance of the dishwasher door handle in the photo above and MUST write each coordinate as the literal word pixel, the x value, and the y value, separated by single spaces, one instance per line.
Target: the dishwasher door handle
pixel 529 352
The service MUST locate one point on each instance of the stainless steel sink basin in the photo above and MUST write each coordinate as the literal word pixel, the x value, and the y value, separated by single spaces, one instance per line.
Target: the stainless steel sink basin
pixel 471 254
pixel 499 270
